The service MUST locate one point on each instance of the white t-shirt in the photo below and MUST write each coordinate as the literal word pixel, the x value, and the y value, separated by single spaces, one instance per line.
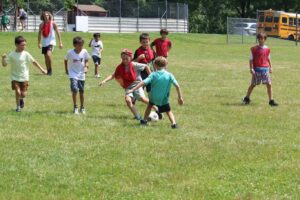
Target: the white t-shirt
pixel 76 63
pixel 19 62
pixel 51 39
pixel 96 48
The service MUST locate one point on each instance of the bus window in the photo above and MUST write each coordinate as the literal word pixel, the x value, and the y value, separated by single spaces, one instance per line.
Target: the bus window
pixel 276 19
pixel 261 18
pixel 269 19
pixel 284 20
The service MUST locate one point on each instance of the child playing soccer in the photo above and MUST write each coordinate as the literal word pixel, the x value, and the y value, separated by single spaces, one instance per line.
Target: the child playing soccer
pixel 5 21
pixel 128 76
pixel 260 69
pixel 19 61
pixel 162 45
pixel 97 48
pixel 160 82
pixel 144 54
pixel 76 64
pixel 47 39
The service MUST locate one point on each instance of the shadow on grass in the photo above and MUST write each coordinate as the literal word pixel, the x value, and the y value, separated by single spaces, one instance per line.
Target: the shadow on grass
pixel 235 104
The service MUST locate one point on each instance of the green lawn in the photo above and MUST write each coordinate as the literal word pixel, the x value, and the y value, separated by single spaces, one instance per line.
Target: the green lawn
pixel 223 150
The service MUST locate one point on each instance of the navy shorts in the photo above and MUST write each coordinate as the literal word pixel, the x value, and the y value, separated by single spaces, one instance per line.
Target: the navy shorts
pixel 76 85
pixel 163 108
pixel 96 59
pixel 47 48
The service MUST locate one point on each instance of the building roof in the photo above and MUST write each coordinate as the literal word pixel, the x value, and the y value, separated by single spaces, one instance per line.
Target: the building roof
pixel 90 8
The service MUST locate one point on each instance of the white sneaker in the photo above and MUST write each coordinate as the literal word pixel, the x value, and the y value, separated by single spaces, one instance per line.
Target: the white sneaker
pixel 75 111
pixel 82 111
pixel 97 76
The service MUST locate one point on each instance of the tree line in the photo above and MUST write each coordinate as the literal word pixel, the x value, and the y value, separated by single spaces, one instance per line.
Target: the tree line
pixel 205 16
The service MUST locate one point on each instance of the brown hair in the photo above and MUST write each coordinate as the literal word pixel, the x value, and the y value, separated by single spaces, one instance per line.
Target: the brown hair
pixel 43 15
pixel 78 40
pixel 164 31
pixel 161 61
pixel 261 35
pixel 19 39
pixel 144 36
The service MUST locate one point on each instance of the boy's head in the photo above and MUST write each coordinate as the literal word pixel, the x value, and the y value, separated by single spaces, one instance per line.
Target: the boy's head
pixel 145 40
pixel 261 37
pixel 46 16
pixel 126 56
pixel 164 32
pixel 97 36
pixel 160 62
pixel 20 43
pixel 78 43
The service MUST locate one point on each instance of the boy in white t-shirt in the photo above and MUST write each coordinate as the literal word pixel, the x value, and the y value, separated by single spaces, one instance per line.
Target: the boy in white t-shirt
pixel 97 47
pixel 19 61
pixel 76 64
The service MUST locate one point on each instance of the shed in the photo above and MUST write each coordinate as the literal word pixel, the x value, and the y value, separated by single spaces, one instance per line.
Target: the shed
pixel 85 10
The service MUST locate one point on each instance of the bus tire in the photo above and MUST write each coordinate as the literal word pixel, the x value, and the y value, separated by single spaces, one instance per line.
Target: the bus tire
pixel 291 37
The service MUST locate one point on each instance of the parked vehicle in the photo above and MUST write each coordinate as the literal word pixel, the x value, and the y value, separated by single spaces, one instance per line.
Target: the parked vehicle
pixel 245 28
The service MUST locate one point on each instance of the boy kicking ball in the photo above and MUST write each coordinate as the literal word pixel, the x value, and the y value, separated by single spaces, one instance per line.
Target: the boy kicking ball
pixel 160 82
pixel 19 61
pixel 260 69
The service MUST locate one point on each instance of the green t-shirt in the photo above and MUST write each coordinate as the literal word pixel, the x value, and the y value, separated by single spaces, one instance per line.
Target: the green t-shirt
pixel 19 62
pixel 161 82
pixel 4 20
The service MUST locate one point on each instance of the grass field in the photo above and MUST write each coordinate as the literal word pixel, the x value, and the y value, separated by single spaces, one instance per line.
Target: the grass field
pixel 223 150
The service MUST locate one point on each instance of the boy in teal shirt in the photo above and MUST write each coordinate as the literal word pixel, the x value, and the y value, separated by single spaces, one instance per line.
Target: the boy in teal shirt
pixel 4 22
pixel 160 82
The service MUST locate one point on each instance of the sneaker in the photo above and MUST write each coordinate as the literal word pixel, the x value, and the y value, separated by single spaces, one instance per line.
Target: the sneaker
pixel 160 115
pixel 49 72
pixel 18 109
pixel 246 100
pixel 75 111
pixel 144 122
pixel 97 76
pixel 138 117
pixel 174 126
pixel 22 104
pixel 273 103
pixel 82 110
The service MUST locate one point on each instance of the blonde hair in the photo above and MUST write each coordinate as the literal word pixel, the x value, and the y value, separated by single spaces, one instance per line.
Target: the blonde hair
pixel 161 62
pixel 43 15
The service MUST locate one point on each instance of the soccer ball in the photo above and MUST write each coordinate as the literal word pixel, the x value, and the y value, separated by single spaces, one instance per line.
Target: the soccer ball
pixel 153 116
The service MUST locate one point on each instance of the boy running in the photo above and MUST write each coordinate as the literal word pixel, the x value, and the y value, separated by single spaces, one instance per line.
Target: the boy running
pixel 97 47
pixel 19 61
pixel 162 45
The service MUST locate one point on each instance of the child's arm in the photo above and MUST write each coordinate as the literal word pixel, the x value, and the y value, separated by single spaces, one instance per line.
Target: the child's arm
pixel 86 66
pixel 4 60
pixel 58 34
pixel 90 44
pixel 140 84
pixel 148 70
pixel 40 36
pixel 66 66
pixel 251 67
pixel 152 45
pixel 35 63
pixel 109 78
pixel 270 64
pixel 180 98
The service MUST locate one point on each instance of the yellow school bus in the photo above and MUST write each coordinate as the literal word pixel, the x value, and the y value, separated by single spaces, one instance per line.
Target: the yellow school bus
pixel 279 24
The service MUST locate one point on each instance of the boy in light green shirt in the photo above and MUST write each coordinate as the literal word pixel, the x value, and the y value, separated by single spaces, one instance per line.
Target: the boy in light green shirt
pixel 161 82
pixel 19 61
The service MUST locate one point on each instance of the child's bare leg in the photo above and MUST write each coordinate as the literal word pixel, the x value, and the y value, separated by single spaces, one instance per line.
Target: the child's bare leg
pixel 48 60
pixel 171 117
pixel 96 69
pixel 23 94
pixel 18 95
pixel 147 112
pixel 250 89
pixel 81 93
pixel 269 90
pixel 130 105
pixel 74 98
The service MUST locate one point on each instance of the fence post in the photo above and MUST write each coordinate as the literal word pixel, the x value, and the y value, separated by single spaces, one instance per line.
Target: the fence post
pixel 177 18
pixel 257 21
pixel 166 14
pixel 227 38
pixel 120 14
pixel 296 41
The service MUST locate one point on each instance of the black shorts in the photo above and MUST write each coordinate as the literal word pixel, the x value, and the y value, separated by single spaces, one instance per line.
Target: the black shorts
pixel 47 48
pixel 144 75
pixel 96 59
pixel 23 17
pixel 163 108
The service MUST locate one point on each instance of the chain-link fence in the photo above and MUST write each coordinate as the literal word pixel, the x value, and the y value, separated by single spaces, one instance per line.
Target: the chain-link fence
pixel 241 30
pixel 139 9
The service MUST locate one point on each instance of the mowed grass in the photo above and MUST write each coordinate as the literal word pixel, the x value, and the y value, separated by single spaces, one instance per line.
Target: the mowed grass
pixel 222 150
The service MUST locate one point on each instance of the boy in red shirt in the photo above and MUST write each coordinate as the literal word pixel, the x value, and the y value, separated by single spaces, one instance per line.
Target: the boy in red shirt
pixel 144 54
pixel 260 69
pixel 162 45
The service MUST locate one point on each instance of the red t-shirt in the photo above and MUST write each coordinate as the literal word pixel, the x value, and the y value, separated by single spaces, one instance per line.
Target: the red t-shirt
pixel 162 46
pixel 125 76
pixel 149 55
pixel 260 56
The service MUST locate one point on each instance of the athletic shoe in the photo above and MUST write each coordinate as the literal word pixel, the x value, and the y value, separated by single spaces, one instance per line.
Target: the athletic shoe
pixel 22 103
pixel 97 76
pixel 273 103
pixel 174 126
pixel 160 115
pixel 138 117
pixel 144 122
pixel 49 72
pixel 246 100
pixel 82 110
pixel 18 109
pixel 75 111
